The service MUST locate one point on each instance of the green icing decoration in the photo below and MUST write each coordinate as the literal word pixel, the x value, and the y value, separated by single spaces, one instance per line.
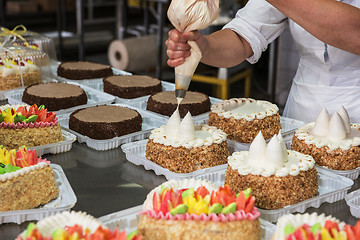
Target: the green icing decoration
pixel 41 107
pixel 10 168
pixel 32 118
pixel 1 118
pixel 131 235
pixel 216 208
pixel 58 233
pixel 289 229
pixel 189 192
pixel 162 189
pixel 179 209
pixel 316 228
pixel 19 118
pixel 247 192
pixel 231 208
pixel 2 170
pixel 30 228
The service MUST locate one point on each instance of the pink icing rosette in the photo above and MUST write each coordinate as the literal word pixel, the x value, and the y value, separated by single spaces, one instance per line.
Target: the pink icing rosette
pixel 237 216
pixel 29 125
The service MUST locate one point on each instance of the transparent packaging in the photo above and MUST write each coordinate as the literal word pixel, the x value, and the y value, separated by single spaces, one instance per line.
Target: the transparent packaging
pixel 65 201
pixel 150 121
pixel 353 200
pixel 128 220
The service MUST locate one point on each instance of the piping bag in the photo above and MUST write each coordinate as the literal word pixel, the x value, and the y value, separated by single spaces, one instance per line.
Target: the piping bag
pixel 186 16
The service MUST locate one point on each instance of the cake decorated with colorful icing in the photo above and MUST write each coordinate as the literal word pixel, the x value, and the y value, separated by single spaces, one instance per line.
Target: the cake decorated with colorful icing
pixel 182 147
pixel 28 125
pixel 15 73
pixel 26 181
pixel 131 86
pixel 314 227
pixel 243 118
pixel 55 96
pixel 105 122
pixel 333 143
pixel 80 70
pixel 73 226
pixel 166 103
pixel 277 177
pixel 197 209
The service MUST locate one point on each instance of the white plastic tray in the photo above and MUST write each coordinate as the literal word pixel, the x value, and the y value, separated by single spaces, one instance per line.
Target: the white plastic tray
pixel 352 174
pixel 150 121
pixel 135 153
pixel 59 147
pixel 94 98
pixel 332 188
pixel 128 220
pixel 65 201
pixel 288 127
pixel 353 200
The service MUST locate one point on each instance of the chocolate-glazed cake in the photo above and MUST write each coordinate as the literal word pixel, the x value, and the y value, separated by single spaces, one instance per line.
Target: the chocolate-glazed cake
pixel 55 96
pixel 165 103
pixel 131 86
pixel 105 122
pixel 83 70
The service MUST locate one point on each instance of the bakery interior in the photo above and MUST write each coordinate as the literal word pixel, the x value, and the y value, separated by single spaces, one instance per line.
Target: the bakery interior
pixel 104 182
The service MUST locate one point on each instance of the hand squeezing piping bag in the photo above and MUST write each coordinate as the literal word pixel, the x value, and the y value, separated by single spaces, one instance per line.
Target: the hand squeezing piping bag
pixel 186 16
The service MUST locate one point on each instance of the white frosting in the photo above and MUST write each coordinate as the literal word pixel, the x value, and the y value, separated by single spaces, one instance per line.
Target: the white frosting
pixel 352 139
pixel 3 107
pixel 346 119
pixel 7 176
pixel 60 220
pixel 257 151
pixel 337 129
pixel 11 68
pixel 178 184
pixel 244 108
pixel 275 157
pixel 321 124
pixel 171 128
pixel 300 219
pixel 186 129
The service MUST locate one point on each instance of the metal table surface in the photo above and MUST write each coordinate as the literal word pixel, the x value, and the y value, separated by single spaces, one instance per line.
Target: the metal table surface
pixel 105 182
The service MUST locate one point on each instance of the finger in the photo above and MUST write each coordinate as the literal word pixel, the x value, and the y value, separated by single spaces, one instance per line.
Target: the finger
pixel 175 46
pixel 177 54
pixel 176 36
pixel 175 62
pixel 192 35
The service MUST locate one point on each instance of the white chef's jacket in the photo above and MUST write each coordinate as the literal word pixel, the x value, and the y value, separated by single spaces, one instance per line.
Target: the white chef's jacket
pixel 326 76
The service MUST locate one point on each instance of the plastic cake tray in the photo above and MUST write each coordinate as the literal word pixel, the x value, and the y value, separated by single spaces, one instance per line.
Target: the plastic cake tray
pixel 64 202
pixel 95 97
pixel 128 220
pixel 353 200
pixel 150 121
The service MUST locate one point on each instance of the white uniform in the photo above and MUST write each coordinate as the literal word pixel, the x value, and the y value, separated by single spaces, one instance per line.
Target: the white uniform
pixel 326 76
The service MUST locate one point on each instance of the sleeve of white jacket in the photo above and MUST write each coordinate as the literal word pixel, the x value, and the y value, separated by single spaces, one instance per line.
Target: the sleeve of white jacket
pixel 259 23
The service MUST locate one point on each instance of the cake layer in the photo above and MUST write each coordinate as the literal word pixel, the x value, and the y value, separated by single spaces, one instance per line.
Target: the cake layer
pixel 83 70
pixel 28 191
pixel 14 81
pixel 337 159
pixel 131 86
pixel 30 136
pixel 275 192
pixel 105 122
pixel 153 229
pixel 245 131
pixel 184 160
pixel 165 103
pixel 55 96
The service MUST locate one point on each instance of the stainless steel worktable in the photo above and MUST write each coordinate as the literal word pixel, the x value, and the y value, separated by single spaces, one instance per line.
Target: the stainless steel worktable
pixel 105 182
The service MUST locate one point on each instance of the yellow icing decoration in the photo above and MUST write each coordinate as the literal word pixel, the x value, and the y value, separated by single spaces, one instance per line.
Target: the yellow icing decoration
pixel 29 61
pixel 8 115
pixel 7 157
pixel 7 66
pixel 197 206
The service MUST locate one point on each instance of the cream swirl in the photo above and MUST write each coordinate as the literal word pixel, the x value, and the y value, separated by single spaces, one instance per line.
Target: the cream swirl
pixel 204 135
pixel 245 108
pixel 7 176
pixel 296 162
pixel 352 139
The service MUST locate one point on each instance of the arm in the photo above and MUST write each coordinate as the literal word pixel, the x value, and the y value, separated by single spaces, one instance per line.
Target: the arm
pixel 223 48
pixel 333 22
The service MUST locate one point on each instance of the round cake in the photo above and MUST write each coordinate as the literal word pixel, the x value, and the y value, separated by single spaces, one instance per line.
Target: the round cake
pixel 30 126
pixel 131 86
pixel 83 70
pixel 314 226
pixel 165 103
pixel 276 176
pixel 243 118
pixel 197 209
pixel 182 148
pixel 55 96
pixel 105 122
pixel 18 73
pixel 333 143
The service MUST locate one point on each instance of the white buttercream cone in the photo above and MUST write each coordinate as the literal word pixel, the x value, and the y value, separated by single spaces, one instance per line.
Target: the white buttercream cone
pixel 187 128
pixel 321 124
pixel 345 117
pixel 337 129
pixel 275 157
pixel 172 125
pixel 257 151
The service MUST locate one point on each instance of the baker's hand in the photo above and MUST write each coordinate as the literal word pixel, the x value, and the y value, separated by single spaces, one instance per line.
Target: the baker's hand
pixel 177 47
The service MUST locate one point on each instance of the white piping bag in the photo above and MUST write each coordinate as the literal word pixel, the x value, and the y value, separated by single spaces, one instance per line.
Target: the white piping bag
pixel 186 16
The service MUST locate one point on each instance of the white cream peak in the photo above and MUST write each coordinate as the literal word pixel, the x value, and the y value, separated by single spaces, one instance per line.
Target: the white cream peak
pixel 321 124
pixel 337 129
pixel 282 143
pixel 275 157
pixel 346 119
pixel 172 126
pixel 257 151
pixel 186 129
